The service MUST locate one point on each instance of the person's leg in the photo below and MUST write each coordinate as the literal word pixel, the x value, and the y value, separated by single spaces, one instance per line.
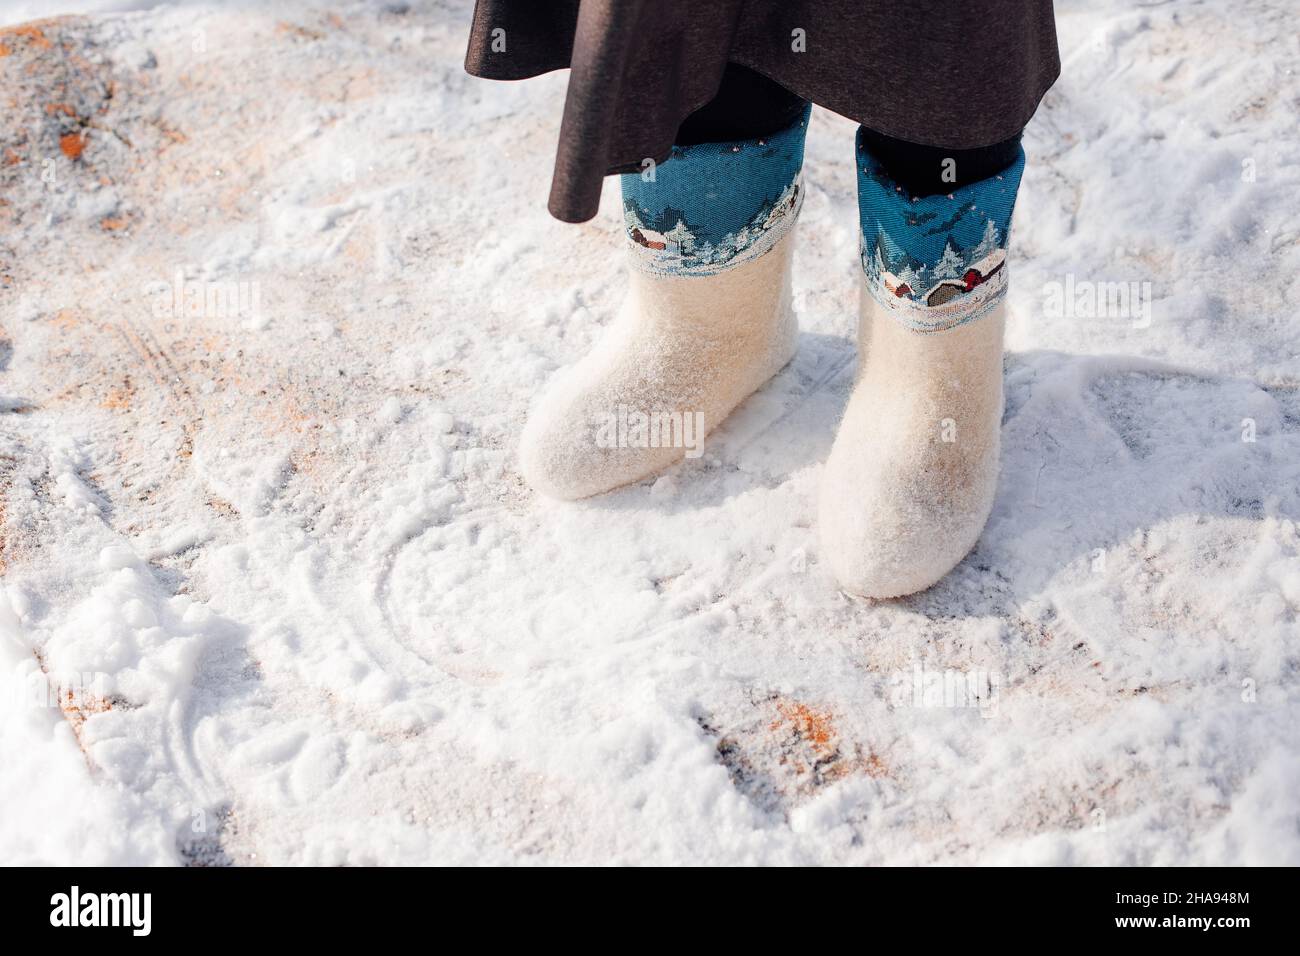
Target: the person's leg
pixel 707 319
pixel 747 106
pixel 934 170
pixel 911 478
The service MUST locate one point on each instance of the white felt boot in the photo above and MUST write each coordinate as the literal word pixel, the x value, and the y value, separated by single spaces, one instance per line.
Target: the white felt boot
pixel 911 478
pixel 683 352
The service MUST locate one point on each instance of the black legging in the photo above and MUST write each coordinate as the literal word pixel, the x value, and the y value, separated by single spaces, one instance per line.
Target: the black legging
pixel 748 104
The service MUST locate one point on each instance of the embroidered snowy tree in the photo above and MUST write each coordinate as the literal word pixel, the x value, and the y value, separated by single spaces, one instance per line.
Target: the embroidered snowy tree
pixel 909 277
pixel 742 238
pixel 988 243
pixel 681 237
pixel 632 217
pixel 878 267
pixel 950 264
pixel 878 258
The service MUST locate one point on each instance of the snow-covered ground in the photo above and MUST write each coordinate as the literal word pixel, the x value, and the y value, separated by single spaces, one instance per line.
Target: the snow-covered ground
pixel 274 591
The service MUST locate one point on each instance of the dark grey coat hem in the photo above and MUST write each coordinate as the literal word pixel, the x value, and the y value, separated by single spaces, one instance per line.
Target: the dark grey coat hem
pixel 953 75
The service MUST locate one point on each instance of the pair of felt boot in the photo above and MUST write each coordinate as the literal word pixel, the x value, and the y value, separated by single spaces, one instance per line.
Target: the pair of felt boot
pixel 707 320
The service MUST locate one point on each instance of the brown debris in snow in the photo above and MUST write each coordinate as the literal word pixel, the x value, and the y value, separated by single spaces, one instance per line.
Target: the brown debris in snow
pixel 72 144
pixel 794 752
pixel 30 32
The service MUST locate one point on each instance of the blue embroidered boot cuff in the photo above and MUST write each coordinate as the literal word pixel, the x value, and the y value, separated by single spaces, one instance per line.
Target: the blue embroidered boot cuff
pixel 935 262
pixel 711 206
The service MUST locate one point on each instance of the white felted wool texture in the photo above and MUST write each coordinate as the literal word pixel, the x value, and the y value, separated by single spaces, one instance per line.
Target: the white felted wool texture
pixel 680 344
pixel 911 478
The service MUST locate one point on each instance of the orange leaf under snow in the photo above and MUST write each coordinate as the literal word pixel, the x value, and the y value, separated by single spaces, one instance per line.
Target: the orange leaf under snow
pixel 72 144
pixel 32 33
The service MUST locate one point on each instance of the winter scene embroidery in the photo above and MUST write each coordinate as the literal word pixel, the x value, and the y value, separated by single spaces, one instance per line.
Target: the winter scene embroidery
pixel 936 261
pixel 962 285
pixel 731 202
pixel 685 248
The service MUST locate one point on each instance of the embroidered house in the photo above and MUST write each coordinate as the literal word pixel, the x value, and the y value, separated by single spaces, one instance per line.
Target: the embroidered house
pixel 962 284
pixel 648 238
pixel 975 275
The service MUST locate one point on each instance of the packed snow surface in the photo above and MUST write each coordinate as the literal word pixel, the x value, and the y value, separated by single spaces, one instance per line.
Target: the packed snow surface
pixel 277 287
